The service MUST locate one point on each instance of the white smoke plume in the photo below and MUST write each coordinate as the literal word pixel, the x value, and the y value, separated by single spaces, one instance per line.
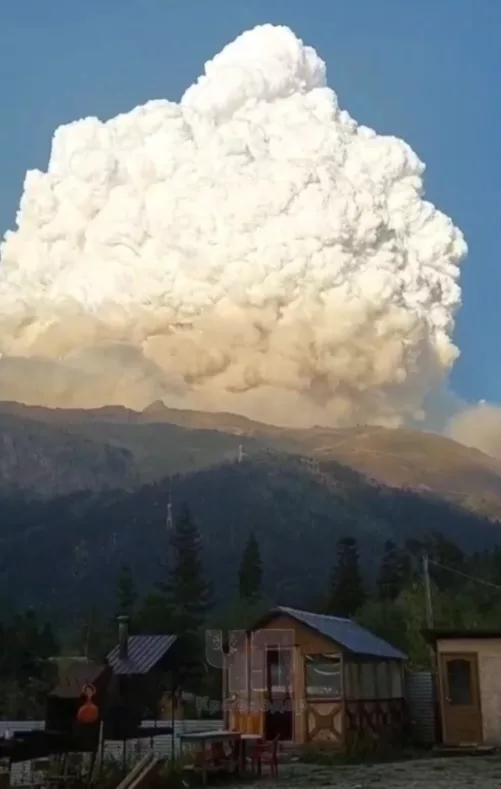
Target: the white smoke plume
pixel 478 426
pixel 250 249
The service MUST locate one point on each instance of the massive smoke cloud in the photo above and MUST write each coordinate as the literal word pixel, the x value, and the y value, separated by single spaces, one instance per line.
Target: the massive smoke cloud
pixel 478 426
pixel 250 249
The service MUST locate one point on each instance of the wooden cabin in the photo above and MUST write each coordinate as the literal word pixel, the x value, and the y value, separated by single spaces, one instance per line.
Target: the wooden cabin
pixel 469 685
pixel 311 678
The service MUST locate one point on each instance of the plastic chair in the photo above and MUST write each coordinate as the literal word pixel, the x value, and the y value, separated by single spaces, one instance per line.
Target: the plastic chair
pixel 266 753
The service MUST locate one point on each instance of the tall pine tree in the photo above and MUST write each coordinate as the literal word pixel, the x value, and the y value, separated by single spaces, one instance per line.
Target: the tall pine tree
pixel 188 592
pixel 188 598
pixel 126 593
pixel 394 571
pixel 251 573
pixel 155 613
pixel 346 588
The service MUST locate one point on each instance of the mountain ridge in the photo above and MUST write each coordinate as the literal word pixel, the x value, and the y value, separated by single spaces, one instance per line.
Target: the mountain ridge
pixel 162 441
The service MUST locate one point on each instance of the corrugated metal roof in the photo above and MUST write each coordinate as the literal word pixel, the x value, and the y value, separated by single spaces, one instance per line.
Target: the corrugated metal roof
pixel 144 652
pixel 346 633
pixel 73 677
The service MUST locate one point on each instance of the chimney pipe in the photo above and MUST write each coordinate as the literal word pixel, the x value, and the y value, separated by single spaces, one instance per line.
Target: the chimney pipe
pixel 123 637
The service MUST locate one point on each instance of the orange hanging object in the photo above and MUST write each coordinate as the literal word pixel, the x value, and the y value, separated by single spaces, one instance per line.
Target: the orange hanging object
pixel 88 712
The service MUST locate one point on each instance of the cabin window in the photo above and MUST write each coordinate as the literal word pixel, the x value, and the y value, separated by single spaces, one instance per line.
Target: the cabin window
pixel 323 676
pixel 397 689
pixel 351 688
pixel 383 683
pixel 368 681
pixel 355 680
pixel 348 681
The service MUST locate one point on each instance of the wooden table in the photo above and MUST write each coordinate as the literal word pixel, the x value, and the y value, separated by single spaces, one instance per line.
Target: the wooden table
pixel 203 738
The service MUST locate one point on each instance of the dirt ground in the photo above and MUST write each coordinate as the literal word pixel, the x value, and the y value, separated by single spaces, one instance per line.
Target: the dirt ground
pixel 451 773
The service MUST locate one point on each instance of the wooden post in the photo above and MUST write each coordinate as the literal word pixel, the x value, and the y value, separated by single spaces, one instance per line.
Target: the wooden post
pixel 173 716
pixel 224 692
pixel 433 656
pixel 427 590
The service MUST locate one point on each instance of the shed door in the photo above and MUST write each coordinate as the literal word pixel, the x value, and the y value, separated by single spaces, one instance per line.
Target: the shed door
pixel 462 718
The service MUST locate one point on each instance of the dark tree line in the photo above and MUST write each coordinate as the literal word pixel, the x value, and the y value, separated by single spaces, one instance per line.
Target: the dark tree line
pixel 180 600
pixel 28 647
pixel 392 604
pixel 465 591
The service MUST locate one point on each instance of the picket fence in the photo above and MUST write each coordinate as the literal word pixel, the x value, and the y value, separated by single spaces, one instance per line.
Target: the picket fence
pixel 162 745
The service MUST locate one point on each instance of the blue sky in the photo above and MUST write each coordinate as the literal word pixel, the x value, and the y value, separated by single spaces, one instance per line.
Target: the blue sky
pixel 427 71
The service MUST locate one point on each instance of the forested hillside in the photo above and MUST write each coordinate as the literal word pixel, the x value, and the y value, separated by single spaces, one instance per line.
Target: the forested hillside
pixel 65 553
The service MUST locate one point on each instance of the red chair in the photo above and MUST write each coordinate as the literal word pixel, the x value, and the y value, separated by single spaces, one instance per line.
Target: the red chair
pixel 266 753
pixel 220 758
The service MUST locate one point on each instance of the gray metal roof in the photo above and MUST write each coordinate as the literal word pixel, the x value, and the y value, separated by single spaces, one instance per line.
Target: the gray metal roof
pixel 346 633
pixel 143 653
pixel 73 676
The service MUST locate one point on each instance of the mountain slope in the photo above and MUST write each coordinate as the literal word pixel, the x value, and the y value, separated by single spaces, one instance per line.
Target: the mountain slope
pixel 161 441
pixel 402 458
pixel 50 461
pixel 51 457
pixel 66 553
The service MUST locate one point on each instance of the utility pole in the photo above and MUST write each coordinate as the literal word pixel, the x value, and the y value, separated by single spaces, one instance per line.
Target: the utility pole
pixel 431 650
pixel 427 591
pixel 169 520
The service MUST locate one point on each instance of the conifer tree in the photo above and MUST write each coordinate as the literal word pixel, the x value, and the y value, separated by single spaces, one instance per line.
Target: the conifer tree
pixel 250 573
pixel 155 613
pixel 126 593
pixel 394 572
pixel 187 591
pixel 346 588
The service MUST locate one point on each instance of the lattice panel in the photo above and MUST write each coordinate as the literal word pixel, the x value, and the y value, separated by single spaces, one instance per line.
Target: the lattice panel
pixel 325 723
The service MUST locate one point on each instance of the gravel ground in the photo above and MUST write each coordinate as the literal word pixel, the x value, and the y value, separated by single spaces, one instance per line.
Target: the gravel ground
pixel 463 773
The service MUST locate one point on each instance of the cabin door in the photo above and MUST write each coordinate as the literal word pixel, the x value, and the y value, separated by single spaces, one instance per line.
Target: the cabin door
pixel 462 717
pixel 279 715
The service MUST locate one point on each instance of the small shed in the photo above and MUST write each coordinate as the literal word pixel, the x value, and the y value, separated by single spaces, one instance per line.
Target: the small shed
pixel 310 678
pixel 67 696
pixel 140 665
pixel 62 733
pixel 469 685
